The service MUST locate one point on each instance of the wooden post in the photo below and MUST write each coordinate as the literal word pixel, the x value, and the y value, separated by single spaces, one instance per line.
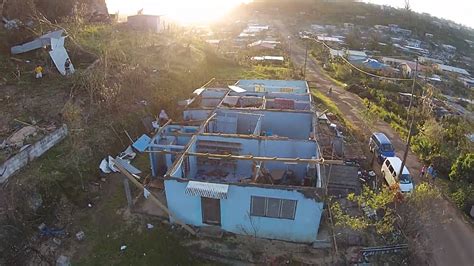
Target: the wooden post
pixel 153 197
pixel 252 158
pixel 128 192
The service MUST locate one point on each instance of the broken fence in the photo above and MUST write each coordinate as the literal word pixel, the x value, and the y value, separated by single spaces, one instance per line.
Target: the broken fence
pixel 30 153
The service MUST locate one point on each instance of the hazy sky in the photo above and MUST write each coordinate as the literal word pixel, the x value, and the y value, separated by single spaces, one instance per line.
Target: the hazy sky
pixel 186 11
pixel 460 11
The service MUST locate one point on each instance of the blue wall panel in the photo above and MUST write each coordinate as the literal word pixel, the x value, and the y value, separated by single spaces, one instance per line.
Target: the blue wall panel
pixel 235 212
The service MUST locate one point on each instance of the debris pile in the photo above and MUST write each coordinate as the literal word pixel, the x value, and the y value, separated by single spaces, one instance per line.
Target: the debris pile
pixel 19 138
pixel 107 165
pixel 55 41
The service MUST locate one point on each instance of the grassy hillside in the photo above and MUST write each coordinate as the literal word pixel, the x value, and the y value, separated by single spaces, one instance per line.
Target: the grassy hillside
pixel 122 76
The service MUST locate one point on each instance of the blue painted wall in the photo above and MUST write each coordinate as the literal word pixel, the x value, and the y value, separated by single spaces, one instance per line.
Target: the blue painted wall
pixel 196 114
pixel 281 123
pixel 299 86
pixel 235 212
pixel 298 97
pixel 272 148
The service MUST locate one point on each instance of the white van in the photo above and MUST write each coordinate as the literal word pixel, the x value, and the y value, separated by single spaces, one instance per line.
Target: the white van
pixel 390 172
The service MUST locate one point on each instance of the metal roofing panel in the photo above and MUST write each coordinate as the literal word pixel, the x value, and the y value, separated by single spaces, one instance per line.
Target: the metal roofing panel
pixel 142 143
pixel 237 89
pixel 207 190
pixel 199 91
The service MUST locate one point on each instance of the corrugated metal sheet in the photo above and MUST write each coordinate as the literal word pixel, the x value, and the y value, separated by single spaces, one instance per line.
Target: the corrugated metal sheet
pixel 207 190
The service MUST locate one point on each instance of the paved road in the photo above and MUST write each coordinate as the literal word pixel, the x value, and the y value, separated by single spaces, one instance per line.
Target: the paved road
pixel 452 238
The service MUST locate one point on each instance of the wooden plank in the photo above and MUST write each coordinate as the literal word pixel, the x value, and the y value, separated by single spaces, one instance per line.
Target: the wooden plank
pixel 254 158
pixel 153 198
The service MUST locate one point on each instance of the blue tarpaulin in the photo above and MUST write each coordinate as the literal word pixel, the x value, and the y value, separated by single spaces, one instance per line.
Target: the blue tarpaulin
pixel 142 143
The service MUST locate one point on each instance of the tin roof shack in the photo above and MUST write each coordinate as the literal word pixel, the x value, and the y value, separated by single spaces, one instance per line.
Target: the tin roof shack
pixel 147 23
pixel 245 168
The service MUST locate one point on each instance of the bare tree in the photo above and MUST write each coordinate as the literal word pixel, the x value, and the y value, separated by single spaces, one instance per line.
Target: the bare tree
pixel 254 228
pixel 407 5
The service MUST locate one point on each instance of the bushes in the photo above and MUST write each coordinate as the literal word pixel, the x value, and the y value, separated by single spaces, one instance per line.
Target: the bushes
pixel 463 169
pixel 342 72
pixel 463 196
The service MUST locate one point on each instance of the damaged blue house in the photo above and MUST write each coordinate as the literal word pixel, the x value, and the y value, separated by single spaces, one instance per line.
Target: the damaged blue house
pixel 245 159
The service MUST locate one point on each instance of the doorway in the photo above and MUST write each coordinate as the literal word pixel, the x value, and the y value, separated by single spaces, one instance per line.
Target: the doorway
pixel 211 211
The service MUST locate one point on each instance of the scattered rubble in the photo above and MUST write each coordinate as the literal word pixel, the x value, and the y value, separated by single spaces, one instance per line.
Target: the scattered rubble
pixel 80 235
pixel 63 261
pixel 18 138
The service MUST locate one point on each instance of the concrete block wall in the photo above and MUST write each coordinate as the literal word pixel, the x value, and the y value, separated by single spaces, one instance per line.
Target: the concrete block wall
pixel 31 152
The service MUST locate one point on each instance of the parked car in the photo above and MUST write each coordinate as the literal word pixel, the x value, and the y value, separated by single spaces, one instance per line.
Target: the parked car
pixel 391 173
pixel 381 146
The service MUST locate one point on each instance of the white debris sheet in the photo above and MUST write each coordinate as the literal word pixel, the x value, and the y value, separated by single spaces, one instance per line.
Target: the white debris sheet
pixel 59 55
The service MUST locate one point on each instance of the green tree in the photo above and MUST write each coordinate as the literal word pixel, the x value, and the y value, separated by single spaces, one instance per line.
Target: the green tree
pixel 463 168
pixel 396 215
pixel 372 202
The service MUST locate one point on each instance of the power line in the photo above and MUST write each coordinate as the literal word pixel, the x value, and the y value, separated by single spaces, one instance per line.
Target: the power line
pixel 371 74
pixel 361 70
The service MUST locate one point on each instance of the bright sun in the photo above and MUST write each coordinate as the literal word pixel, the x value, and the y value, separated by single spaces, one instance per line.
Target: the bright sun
pixel 183 11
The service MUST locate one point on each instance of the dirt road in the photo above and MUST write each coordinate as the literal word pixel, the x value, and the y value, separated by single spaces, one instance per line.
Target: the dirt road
pixel 452 238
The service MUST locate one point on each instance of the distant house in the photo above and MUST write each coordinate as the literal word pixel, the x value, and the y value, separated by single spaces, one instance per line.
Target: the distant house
pixel 373 64
pixel 316 28
pixel 256 28
pixel 381 27
pixel 471 43
pixel 404 31
pixel 449 48
pixel 396 29
pixel 264 44
pixel 406 66
pixel 428 60
pixel 454 70
pixel 252 30
pixel 413 43
pixel 336 53
pixel 330 39
pixel 468 82
pixel 147 23
pixel 415 50
pixel 269 59
pixel 348 25
pixel 214 43
pixel 353 55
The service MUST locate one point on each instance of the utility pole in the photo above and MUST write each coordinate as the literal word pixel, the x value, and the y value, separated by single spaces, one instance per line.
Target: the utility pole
pixel 289 47
pixel 305 59
pixel 410 129
pixel 412 90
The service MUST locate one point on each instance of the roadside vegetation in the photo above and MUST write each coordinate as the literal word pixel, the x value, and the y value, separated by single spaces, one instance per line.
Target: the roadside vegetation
pixel 438 140
pixel 390 218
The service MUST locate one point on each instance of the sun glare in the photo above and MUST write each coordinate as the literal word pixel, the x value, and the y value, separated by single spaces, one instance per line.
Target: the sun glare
pixel 183 11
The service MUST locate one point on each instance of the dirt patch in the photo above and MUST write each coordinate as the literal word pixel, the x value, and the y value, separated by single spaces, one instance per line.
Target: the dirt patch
pixel 252 250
